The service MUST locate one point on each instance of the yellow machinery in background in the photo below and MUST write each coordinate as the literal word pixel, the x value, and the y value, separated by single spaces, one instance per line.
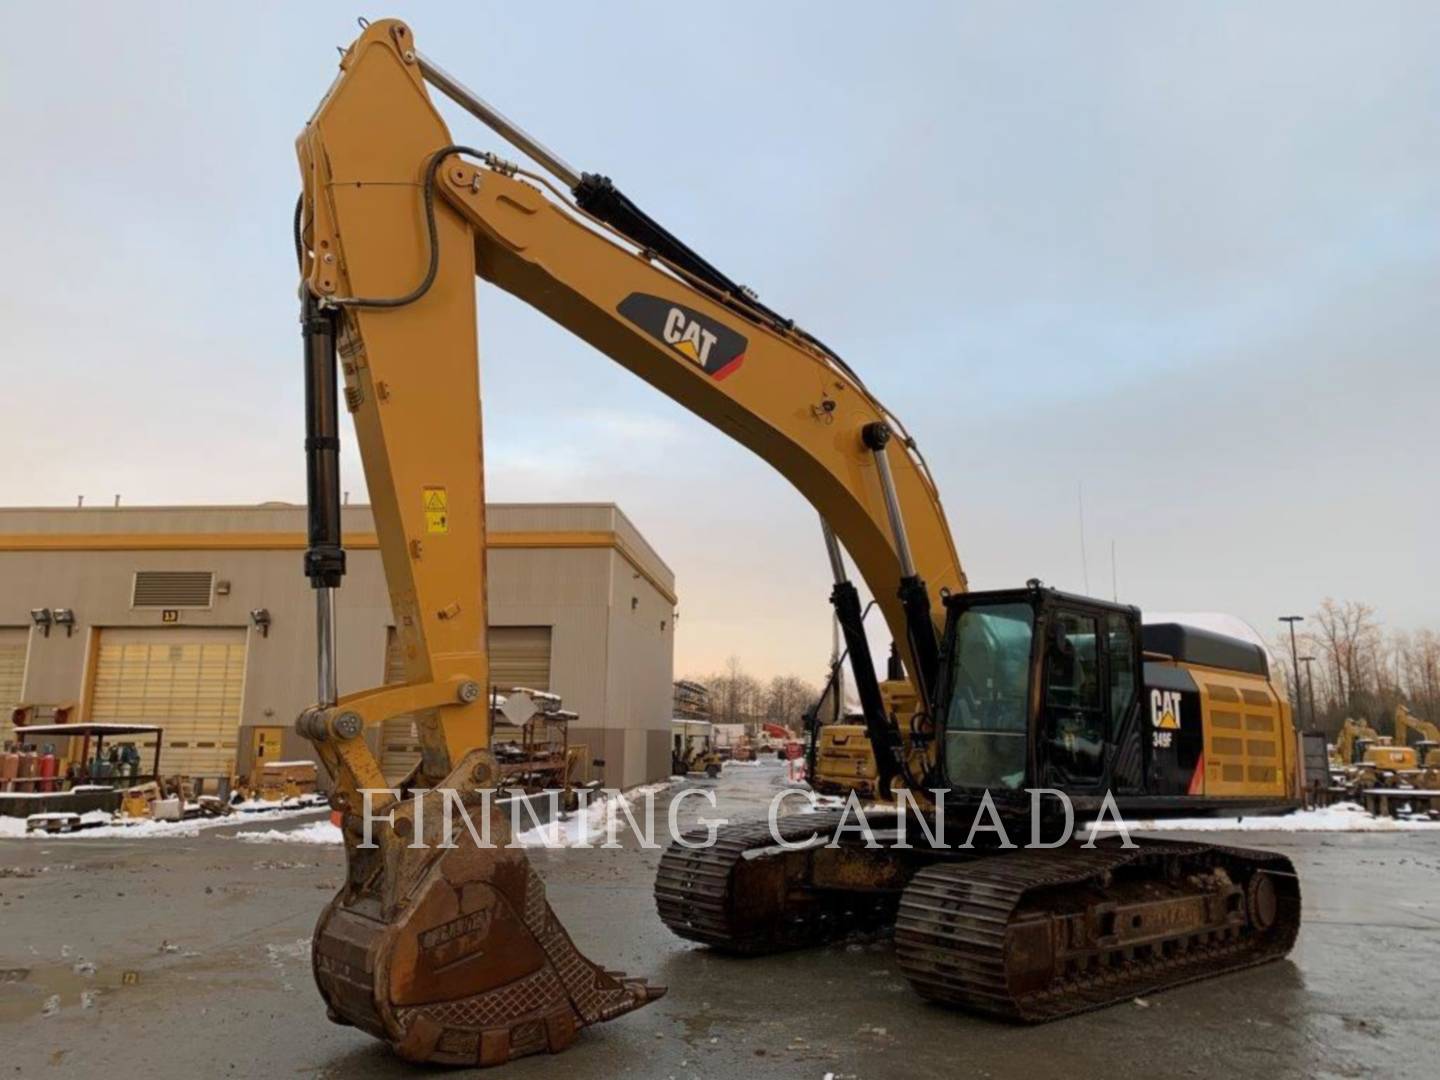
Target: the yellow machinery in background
pixel 1365 759
pixel 692 748
pixel 844 758
pixel 1427 746
pixel 1354 736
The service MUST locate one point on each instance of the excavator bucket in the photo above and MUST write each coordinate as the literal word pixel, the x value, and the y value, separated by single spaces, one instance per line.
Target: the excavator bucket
pixel 453 955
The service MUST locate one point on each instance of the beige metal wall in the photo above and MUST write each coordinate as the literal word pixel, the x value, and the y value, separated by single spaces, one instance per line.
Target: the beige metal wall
pixel 582 569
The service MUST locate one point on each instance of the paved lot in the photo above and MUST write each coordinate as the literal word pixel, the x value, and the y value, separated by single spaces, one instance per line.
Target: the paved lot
pixel 215 933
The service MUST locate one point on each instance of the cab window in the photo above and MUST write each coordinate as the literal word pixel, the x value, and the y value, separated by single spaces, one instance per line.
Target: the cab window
pixel 1120 644
pixel 986 718
pixel 1074 715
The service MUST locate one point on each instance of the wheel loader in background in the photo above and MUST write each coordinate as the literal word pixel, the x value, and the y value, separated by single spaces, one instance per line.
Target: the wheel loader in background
pixel 454 956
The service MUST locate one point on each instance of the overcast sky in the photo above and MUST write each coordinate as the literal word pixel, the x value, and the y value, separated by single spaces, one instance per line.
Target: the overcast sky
pixel 1184 255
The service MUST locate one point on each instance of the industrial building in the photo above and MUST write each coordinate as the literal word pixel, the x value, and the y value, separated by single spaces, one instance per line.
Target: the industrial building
pixel 199 619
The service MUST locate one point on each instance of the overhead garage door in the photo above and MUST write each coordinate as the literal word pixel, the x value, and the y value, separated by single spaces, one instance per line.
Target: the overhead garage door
pixel 189 681
pixel 13 643
pixel 519 656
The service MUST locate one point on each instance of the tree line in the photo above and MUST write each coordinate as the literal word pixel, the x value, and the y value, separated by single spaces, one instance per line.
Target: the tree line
pixel 1359 669
pixel 737 697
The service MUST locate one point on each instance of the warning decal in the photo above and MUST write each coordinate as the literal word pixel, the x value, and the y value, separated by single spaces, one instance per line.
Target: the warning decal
pixel 437 510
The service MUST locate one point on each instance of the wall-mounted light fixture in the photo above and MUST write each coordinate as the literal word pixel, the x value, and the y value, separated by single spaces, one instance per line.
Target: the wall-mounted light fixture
pixel 42 617
pixel 261 618
pixel 65 617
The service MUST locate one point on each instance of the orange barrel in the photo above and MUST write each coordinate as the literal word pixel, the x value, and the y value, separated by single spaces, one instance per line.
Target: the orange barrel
pixel 9 769
pixel 27 767
pixel 48 766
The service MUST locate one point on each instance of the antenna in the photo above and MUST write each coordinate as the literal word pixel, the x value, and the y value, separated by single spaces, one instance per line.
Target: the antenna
pixel 1084 562
pixel 1114 581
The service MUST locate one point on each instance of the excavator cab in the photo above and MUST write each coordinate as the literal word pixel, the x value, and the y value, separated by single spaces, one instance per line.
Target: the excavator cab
pixel 1035 686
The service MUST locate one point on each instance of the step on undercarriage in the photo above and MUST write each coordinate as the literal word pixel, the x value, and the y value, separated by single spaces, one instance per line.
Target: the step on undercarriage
pixel 1029 935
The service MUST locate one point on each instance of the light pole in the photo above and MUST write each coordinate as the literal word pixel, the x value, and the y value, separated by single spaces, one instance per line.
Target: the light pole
pixel 1310 687
pixel 1295 655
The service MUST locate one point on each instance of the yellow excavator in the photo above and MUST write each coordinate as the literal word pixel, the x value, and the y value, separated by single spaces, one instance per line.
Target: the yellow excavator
pixel 1367 759
pixel 1427 745
pixel 454 956
pixel 1353 739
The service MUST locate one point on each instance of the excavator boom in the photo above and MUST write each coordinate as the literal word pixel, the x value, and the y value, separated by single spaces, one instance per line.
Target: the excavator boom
pixel 454 956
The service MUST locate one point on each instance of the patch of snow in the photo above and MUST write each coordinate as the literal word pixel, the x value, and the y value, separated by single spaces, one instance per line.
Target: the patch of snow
pixel 566 831
pixel 107 826
pixel 294 802
pixel 1341 817
pixel 299 949
pixel 317 832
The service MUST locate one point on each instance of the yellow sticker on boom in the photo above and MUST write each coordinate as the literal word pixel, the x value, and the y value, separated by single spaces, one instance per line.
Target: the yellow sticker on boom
pixel 437 510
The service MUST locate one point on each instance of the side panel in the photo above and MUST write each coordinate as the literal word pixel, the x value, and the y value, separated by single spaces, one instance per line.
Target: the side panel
pixel 1247 735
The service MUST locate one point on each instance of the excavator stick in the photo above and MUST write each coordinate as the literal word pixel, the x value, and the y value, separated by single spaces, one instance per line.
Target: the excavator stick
pixel 453 955
pixel 441 942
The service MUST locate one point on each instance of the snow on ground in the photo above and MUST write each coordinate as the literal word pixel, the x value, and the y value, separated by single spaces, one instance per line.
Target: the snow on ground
pixel 588 828
pixel 1341 817
pixel 566 831
pixel 249 806
pixel 105 825
pixel 317 832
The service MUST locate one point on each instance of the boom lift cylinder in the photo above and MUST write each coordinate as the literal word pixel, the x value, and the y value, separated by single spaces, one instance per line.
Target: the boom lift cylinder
pixel 325 557
pixel 913 593
pixel 850 615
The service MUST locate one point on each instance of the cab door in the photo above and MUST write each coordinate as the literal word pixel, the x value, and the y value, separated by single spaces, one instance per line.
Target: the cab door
pixel 1074 703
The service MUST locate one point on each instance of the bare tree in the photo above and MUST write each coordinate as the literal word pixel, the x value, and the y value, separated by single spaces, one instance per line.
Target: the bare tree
pixel 786 699
pixel 1348 639
pixel 1419 660
pixel 735 695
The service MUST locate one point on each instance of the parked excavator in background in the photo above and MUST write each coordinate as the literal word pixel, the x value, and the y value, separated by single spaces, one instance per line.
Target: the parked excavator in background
pixel 1427 743
pixel 1363 758
pixel 454 956
pixel 1353 739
